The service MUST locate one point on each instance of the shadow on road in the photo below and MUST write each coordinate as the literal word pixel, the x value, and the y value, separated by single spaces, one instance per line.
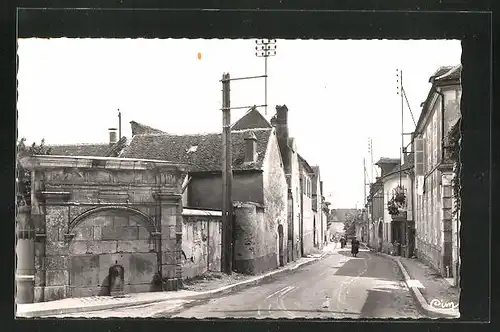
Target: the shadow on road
pixel 396 303
pixel 378 268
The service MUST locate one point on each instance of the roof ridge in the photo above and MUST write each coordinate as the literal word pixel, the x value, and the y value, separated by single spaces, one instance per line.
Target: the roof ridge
pixel 77 144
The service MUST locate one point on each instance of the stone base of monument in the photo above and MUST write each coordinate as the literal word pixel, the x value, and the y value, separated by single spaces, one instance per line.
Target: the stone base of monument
pixel 173 284
pixel 117 293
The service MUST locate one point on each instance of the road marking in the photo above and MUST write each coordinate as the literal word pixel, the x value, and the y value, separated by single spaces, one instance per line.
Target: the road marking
pixel 279 291
pixel 281 303
pixel 287 291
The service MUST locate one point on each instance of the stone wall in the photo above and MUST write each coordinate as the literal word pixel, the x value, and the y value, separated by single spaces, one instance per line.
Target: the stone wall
pixel 201 242
pixel 92 213
pixel 294 220
pixel 254 243
pixel 308 225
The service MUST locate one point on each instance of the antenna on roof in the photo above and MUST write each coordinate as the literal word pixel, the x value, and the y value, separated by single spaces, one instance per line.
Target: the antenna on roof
pixel 119 125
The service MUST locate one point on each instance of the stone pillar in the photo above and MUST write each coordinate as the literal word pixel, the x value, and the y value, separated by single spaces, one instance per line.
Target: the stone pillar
pixel 447 206
pixel 170 239
pixel 25 256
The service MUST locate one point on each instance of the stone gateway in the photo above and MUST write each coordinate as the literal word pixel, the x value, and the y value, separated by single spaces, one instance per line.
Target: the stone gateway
pixel 104 226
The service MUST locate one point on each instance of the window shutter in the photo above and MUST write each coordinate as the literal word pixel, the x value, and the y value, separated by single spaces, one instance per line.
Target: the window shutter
pixel 419 156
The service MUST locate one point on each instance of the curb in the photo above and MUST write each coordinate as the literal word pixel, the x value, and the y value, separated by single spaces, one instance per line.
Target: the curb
pixel 251 282
pixel 422 304
pixel 46 313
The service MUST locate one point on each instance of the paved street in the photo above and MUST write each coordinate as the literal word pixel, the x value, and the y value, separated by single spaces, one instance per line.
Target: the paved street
pixel 338 286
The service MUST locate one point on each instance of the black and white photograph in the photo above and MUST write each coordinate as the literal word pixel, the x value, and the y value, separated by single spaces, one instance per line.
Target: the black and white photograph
pixel 199 166
pixel 238 178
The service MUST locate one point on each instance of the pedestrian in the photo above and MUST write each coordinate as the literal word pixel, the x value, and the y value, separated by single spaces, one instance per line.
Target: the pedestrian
pixel 354 247
pixel 342 242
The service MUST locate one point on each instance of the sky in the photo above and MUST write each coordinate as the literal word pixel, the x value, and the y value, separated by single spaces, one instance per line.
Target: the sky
pixel 339 93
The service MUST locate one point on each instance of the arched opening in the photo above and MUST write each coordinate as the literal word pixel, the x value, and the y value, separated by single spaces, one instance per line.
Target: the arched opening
pixel 111 236
pixel 140 217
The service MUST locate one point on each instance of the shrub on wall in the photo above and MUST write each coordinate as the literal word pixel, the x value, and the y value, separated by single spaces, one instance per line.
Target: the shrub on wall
pixel 398 201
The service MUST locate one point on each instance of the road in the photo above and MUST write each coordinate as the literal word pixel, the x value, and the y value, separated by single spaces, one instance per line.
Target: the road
pixel 337 286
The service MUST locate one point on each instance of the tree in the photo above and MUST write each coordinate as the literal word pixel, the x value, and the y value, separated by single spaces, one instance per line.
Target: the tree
pixel 349 224
pixel 23 176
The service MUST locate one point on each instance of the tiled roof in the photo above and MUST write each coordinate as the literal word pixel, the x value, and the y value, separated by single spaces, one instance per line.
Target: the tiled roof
pixel 91 150
pixel 388 161
pixel 252 119
pixel 201 151
pixel 442 75
pixel 141 129
pixel 95 150
pixel 117 148
pixel 305 164
pixel 447 73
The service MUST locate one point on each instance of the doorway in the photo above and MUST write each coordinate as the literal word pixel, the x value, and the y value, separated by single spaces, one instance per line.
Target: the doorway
pixel 315 242
pixel 280 245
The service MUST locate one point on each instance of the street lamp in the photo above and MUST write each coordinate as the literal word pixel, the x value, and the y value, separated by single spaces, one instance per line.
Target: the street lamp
pixel 265 48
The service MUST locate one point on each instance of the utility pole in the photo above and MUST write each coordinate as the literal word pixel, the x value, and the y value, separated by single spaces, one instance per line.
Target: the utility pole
pixel 119 125
pixel 365 184
pixel 227 173
pixel 227 177
pixel 264 49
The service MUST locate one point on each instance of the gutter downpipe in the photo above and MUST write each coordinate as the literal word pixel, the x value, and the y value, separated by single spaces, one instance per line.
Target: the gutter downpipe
pixel 442 121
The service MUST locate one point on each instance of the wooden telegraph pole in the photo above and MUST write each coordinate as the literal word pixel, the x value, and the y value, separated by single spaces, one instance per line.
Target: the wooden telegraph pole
pixel 227 177
pixel 227 173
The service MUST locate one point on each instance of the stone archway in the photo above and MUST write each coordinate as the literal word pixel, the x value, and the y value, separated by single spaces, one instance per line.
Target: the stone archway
pixel 108 236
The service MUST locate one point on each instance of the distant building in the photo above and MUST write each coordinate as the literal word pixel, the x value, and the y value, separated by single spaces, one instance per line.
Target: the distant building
pixel 375 209
pixel 397 226
pixel 308 218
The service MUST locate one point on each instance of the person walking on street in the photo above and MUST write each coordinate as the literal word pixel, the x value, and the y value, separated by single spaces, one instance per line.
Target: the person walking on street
pixel 342 242
pixel 354 247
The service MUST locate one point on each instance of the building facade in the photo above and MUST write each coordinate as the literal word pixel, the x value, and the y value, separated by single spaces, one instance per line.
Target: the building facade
pixel 375 208
pixel 259 186
pixel 290 158
pixel 433 194
pixel 307 214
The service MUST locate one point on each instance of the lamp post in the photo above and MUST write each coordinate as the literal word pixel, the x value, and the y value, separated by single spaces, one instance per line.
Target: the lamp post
pixel 265 48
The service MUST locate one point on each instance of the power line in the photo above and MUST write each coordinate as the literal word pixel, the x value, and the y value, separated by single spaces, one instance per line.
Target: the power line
pixel 408 103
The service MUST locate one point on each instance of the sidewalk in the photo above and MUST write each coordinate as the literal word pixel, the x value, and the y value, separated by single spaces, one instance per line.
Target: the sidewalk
pixel 434 295
pixel 437 292
pixel 210 287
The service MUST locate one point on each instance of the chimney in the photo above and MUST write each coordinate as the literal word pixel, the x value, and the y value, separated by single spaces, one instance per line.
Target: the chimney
pixel 112 136
pixel 250 148
pixel 282 135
